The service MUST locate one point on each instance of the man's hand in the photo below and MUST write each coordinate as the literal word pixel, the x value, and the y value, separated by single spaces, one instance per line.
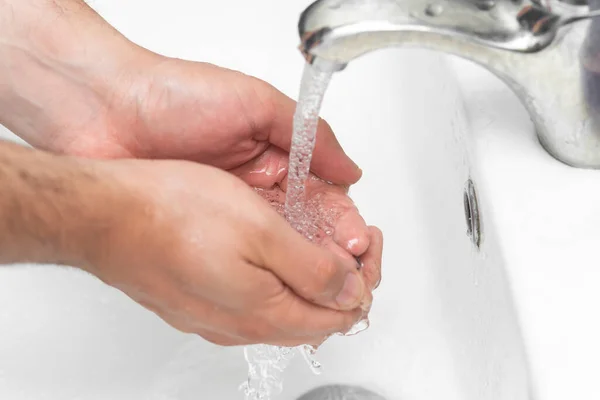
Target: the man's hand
pixel 70 83
pixel 332 218
pixel 209 256
pixel 190 242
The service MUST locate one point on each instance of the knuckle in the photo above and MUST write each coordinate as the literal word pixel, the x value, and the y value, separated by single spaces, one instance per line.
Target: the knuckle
pixel 300 321
pixel 325 270
pixel 287 320
pixel 284 315
pixel 262 228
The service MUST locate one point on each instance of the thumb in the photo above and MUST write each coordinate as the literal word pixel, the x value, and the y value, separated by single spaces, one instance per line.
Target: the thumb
pixel 312 272
pixel 329 161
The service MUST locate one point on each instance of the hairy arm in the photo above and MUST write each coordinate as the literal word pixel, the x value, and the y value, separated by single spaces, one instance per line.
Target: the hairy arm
pixel 53 209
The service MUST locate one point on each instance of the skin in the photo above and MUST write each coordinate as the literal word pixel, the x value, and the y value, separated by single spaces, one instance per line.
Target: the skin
pixel 155 172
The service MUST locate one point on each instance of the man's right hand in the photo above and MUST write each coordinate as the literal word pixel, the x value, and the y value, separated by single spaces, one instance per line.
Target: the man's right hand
pixel 203 251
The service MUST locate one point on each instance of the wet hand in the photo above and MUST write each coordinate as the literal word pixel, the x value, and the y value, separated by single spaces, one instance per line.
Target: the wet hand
pixel 92 92
pixel 203 251
pixel 332 219
pixel 163 108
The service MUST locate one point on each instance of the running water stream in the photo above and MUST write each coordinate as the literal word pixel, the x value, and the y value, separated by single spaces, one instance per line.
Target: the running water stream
pixel 267 363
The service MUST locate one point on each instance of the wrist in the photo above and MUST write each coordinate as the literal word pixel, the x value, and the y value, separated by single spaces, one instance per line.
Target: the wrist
pixel 56 209
pixel 58 59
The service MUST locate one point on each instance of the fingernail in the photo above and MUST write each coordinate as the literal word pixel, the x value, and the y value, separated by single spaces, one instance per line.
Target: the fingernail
pixel 377 283
pixel 352 292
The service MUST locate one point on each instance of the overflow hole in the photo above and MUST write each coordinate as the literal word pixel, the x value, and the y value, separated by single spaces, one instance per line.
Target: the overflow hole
pixel 472 213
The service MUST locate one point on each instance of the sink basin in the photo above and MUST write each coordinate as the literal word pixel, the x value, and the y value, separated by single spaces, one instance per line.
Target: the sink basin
pixel 547 217
pixel 512 320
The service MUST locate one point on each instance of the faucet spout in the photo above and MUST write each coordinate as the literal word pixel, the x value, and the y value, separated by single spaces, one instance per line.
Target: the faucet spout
pixel 549 61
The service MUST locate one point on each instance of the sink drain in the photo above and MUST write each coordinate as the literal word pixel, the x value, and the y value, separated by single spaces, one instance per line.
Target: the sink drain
pixel 472 214
pixel 340 392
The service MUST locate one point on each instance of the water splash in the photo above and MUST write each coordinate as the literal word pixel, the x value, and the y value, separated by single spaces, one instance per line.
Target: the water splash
pixel 266 363
pixel 310 218
pixel 306 119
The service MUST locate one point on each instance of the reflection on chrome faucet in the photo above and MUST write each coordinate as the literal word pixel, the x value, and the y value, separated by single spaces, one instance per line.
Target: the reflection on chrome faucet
pixel 545 50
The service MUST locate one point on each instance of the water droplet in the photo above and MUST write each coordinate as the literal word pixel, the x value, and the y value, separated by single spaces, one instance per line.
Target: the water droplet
pixel 358 327
pixel 309 352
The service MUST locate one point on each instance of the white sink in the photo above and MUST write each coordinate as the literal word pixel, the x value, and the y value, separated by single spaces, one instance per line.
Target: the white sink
pixel 548 219
pixel 509 322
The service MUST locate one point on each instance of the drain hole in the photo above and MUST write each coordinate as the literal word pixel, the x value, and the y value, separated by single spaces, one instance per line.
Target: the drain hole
pixel 340 392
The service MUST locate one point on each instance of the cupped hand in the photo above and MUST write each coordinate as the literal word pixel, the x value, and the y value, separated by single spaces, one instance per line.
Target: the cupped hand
pixel 224 118
pixel 165 108
pixel 202 250
pixel 331 218
pixel 203 113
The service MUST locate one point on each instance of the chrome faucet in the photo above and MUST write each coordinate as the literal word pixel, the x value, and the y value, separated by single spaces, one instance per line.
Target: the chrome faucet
pixel 547 51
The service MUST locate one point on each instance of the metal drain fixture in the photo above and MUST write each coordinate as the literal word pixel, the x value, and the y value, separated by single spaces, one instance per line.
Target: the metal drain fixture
pixel 340 392
pixel 472 214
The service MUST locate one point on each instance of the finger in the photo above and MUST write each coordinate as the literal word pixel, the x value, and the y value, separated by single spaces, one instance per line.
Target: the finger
pixel 266 334
pixel 329 161
pixel 351 233
pixel 336 249
pixel 287 321
pixel 329 244
pixel 313 272
pixel 295 316
pixel 224 339
pixel 371 260
pixel 266 170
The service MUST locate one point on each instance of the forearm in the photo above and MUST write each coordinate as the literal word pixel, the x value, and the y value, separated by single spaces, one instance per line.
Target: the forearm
pixel 53 209
pixel 57 58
